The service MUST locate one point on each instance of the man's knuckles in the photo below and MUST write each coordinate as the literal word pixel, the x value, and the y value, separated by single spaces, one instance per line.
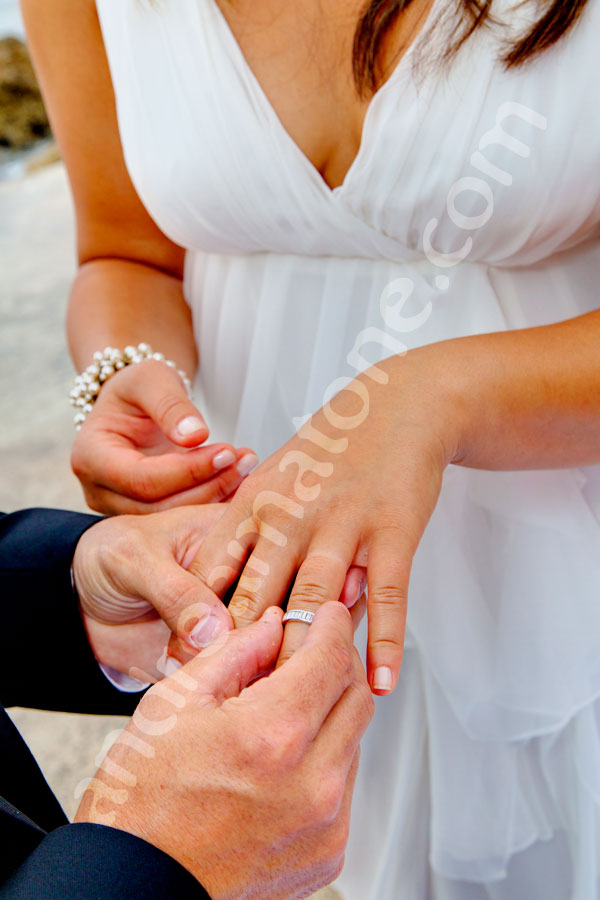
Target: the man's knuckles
pixel 274 750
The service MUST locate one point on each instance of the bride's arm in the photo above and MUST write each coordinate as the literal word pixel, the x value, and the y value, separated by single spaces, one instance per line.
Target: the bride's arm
pixel 530 398
pixel 359 482
pixel 129 283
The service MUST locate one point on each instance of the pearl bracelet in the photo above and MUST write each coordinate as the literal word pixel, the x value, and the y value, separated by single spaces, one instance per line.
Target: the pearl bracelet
pixel 106 363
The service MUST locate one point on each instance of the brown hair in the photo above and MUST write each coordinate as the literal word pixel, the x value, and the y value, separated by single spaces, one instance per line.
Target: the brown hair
pixel 379 15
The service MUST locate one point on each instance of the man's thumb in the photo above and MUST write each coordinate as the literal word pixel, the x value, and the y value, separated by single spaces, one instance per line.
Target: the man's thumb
pixel 235 659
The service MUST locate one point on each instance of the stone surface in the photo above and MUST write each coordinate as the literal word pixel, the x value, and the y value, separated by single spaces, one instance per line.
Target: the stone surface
pixel 23 119
pixel 36 267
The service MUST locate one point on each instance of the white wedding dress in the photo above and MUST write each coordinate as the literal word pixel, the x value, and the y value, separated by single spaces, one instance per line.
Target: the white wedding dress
pixel 480 776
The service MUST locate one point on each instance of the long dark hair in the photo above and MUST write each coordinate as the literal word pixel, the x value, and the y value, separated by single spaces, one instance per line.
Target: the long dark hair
pixel 379 15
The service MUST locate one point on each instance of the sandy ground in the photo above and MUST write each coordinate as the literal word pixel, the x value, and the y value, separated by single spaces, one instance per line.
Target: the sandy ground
pixel 36 267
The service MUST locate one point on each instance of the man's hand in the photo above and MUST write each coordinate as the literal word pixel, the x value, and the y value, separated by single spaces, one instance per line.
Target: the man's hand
pixel 131 575
pixel 249 788
pixel 138 596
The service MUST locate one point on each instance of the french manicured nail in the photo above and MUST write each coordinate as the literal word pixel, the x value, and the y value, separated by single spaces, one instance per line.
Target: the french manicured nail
pixel 382 678
pixel 171 666
pixel 205 631
pixel 247 463
pixel 223 459
pixel 189 425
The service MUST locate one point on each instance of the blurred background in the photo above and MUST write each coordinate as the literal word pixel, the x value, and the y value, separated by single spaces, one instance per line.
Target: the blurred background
pixel 37 263
pixel 36 266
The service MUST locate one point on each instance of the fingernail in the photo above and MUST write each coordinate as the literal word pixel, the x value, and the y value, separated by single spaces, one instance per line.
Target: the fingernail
pixel 247 463
pixel 171 666
pixel 189 425
pixel 382 678
pixel 273 612
pixel 205 631
pixel 223 459
pixel 359 591
pixel 362 586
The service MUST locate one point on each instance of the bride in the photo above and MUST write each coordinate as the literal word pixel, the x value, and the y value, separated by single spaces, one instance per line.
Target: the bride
pixel 375 230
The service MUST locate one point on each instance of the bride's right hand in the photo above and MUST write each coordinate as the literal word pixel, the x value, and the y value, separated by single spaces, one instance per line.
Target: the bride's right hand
pixel 138 450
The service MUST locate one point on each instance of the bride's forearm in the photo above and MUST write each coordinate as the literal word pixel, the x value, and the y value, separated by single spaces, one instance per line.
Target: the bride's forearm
pixel 116 302
pixel 527 399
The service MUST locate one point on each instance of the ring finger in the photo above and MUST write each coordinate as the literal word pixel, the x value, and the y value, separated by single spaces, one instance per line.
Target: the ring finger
pixel 320 578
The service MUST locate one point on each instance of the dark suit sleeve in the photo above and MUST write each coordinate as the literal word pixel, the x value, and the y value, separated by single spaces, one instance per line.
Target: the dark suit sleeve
pixel 46 661
pixel 93 862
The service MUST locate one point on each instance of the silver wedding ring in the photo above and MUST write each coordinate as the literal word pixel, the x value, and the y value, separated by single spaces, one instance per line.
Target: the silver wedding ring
pixel 298 615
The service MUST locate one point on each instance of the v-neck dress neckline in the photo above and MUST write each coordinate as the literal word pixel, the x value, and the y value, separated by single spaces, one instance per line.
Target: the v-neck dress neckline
pixel 399 71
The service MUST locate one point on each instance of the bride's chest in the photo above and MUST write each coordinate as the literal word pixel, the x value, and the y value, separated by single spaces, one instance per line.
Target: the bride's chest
pixel 502 164
pixel 301 55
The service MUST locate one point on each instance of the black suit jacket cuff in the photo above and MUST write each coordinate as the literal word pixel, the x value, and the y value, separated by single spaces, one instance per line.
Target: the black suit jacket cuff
pixel 94 862
pixel 46 661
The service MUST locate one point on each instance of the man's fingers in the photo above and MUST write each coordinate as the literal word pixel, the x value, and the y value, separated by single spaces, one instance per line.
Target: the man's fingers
pixel 313 681
pixel 190 609
pixel 234 660
pixel 161 393
pixel 347 722
pixel 357 613
pixel 390 559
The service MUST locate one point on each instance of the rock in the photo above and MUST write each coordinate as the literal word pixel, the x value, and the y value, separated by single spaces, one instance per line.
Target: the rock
pixel 43 156
pixel 23 119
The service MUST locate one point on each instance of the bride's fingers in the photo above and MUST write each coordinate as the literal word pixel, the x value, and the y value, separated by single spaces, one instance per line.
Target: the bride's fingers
pixel 255 543
pixel 151 478
pixel 215 490
pixel 357 613
pixel 354 586
pixel 390 559
pixel 321 577
pixel 265 581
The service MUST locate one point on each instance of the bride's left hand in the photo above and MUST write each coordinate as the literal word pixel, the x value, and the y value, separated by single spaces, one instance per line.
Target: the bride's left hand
pixel 355 486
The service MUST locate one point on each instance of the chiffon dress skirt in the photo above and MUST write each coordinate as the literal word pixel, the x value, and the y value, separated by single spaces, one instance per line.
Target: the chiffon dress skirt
pixel 473 206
